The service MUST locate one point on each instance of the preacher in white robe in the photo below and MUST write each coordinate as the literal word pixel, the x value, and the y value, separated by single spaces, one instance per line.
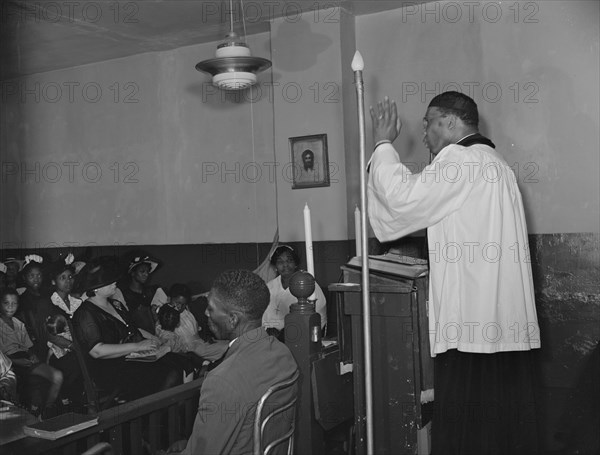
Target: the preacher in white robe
pixel 482 315
pixel 481 296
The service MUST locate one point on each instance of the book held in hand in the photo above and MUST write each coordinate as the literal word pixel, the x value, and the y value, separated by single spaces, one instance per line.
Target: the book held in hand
pixel 60 426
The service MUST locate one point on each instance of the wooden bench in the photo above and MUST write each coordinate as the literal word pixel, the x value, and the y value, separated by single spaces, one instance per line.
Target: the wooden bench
pixel 157 420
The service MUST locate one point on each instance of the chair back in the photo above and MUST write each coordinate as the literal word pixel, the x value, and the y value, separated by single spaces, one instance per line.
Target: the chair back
pixel 269 408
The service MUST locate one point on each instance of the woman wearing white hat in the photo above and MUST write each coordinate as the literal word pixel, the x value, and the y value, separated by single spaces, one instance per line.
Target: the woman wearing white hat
pixel 138 296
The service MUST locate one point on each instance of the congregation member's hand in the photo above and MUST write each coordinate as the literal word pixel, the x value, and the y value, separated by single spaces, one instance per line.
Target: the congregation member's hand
pixel 386 124
pixel 153 338
pixel 145 345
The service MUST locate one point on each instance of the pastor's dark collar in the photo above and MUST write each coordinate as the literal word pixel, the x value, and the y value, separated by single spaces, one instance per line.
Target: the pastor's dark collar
pixel 475 138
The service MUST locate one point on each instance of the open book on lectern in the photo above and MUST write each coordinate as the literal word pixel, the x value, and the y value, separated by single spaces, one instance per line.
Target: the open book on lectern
pixel 394 264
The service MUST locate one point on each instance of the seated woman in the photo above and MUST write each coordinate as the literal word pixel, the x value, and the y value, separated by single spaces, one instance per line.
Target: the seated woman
pixel 138 296
pixel 58 329
pixel 286 261
pixel 107 334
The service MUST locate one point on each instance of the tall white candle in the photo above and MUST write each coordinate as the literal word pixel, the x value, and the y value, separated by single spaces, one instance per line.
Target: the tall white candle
pixel 357 231
pixel 310 264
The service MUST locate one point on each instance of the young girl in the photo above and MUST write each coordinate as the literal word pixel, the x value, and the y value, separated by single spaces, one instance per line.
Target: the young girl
pixel 58 326
pixel 16 344
pixel 168 321
pixel 34 306
pixel 179 298
pixel 63 280
pixel 58 330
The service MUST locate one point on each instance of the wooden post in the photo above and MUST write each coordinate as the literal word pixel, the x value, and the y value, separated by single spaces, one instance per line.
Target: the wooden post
pixel 303 338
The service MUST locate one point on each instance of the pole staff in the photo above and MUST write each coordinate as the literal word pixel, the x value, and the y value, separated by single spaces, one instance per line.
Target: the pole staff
pixel 357 67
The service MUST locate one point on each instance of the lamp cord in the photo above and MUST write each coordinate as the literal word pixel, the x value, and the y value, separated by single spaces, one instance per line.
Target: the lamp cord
pixel 243 19
pixel 231 15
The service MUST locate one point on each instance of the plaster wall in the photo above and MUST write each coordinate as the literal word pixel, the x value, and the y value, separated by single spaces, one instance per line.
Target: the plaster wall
pixel 533 69
pixel 139 150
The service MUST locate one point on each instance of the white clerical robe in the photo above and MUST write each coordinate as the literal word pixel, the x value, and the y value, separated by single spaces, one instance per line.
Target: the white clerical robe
pixel 481 296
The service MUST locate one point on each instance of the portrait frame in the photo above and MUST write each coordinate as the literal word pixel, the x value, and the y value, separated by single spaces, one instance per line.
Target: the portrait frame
pixel 303 174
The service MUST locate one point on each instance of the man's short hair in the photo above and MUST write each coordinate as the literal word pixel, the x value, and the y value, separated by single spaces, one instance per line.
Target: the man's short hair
pixel 243 290
pixel 458 104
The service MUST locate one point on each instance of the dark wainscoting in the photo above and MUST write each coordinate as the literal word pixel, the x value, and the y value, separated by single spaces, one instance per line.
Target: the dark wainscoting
pixel 198 265
pixel 565 267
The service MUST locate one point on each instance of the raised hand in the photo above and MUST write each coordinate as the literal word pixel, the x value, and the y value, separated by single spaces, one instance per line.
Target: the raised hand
pixel 386 124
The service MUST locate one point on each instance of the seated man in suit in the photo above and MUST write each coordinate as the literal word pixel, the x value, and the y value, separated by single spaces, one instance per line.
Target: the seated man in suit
pixel 254 362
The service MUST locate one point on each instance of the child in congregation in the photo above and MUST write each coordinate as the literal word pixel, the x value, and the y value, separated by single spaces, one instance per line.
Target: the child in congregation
pixel 34 304
pixel 16 344
pixel 187 330
pixel 63 306
pixel 8 380
pixel 13 267
pixel 166 326
pixel 58 326
pixel 179 298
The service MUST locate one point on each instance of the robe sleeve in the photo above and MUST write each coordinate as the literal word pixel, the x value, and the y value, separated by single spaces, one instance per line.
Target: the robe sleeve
pixel 401 202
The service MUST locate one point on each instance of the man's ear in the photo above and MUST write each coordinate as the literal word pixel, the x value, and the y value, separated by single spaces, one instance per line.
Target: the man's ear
pixel 234 319
pixel 451 121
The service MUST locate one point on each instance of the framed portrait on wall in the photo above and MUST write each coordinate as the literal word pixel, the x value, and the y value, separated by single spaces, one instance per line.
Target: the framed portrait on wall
pixel 310 161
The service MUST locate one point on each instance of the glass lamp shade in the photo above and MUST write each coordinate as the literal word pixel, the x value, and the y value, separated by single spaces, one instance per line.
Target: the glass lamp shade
pixel 233 68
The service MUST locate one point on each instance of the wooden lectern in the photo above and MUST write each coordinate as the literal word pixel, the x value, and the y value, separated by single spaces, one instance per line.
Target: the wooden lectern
pixel 402 369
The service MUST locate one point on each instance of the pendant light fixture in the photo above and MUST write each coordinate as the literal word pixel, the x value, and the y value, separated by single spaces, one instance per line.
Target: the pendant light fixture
pixel 234 67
